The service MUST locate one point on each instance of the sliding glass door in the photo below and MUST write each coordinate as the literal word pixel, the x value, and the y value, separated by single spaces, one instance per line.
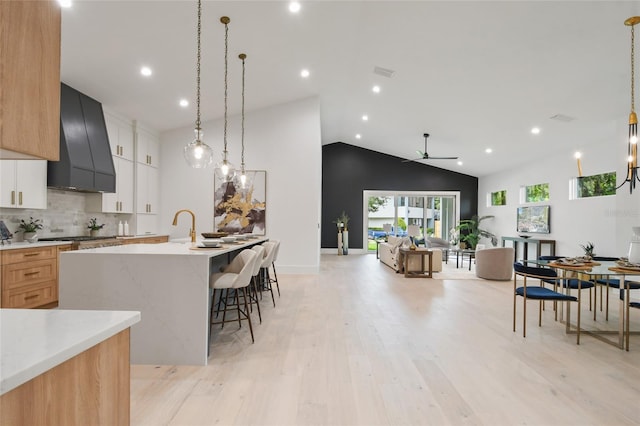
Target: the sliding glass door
pixel 434 212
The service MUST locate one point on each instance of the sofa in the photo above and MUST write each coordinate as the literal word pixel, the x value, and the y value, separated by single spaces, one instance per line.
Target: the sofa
pixel 495 263
pixel 389 251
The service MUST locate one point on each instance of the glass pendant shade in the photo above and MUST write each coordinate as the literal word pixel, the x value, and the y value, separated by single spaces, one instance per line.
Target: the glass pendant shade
pixel 242 182
pixel 225 171
pixel 198 154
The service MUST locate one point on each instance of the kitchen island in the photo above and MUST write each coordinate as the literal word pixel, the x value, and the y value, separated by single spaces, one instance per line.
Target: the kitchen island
pixel 64 367
pixel 168 283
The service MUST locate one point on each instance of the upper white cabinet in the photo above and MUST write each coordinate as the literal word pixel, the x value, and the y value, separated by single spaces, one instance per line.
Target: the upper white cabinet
pixel 121 140
pixel 148 189
pixel 148 148
pixel 23 184
pixel 120 136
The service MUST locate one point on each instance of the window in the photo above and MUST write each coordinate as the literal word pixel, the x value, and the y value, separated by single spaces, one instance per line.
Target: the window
pixel 536 193
pixel 596 185
pixel 498 198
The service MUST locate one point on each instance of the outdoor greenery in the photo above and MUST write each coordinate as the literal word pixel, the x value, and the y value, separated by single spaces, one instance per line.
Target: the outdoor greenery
pixel 470 232
pixel 535 193
pixel 375 203
pixel 596 185
pixel 499 198
pixel 402 224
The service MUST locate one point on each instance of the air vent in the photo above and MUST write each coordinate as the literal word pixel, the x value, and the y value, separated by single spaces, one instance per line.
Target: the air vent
pixel 562 117
pixel 383 72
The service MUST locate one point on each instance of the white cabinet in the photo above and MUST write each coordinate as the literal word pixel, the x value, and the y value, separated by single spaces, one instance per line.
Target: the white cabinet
pixel 122 200
pixel 148 151
pixel 120 136
pixel 23 184
pixel 147 189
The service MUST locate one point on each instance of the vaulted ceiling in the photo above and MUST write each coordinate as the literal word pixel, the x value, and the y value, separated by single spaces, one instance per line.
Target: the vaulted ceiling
pixel 474 75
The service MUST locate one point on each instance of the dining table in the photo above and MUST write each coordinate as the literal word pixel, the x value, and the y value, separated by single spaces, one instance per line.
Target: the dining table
pixel 600 270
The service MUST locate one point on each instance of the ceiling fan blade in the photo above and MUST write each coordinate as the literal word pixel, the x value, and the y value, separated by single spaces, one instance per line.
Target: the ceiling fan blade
pixel 412 159
pixel 443 158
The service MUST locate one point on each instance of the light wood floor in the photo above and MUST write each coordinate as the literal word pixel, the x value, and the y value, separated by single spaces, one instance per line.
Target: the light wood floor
pixel 360 345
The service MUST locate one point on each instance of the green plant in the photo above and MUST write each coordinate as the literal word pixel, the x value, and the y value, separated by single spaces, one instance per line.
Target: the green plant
pixel 93 224
pixel 32 226
pixel 471 233
pixel 588 249
pixel 342 221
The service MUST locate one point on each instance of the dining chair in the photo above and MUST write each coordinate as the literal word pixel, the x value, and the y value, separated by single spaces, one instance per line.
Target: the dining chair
pixel 609 283
pixel 253 298
pixel 539 292
pixel 235 276
pixel 273 265
pixel 574 283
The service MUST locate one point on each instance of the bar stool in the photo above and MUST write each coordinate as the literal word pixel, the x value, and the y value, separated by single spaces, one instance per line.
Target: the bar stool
pixel 253 293
pixel 236 276
pixel 267 261
pixel 273 265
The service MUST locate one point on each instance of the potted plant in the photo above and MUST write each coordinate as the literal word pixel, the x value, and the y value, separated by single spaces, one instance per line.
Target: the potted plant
pixel 94 228
pixel 471 232
pixel 588 250
pixel 29 229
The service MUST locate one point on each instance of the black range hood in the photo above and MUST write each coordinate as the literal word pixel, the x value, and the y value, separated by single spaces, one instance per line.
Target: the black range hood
pixel 85 155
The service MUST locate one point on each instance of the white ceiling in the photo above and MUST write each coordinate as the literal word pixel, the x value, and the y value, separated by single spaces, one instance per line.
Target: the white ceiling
pixel 472 74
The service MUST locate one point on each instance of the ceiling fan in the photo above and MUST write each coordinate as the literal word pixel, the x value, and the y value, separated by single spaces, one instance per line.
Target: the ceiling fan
pixel 425 156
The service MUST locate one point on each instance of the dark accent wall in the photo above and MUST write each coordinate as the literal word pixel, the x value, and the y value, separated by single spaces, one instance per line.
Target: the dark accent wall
pixel 349 170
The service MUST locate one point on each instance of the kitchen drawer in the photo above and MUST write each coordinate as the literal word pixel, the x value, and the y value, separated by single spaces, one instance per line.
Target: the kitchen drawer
pixel 28 255
pixel 31 296
pixel 23 274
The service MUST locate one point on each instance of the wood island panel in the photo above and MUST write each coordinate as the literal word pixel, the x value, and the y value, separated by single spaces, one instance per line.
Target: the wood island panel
pixel 91 388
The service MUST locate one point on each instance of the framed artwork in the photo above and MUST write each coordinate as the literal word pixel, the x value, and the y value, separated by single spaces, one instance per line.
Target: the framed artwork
pixel 241 210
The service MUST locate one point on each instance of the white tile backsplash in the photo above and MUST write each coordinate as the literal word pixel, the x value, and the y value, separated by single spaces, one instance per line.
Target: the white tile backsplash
pixel 65 216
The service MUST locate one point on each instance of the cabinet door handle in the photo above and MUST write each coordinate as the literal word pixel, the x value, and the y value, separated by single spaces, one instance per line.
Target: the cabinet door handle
pixel 31 254
pixel 33 296
pixel 13 197
pixel 20 197
pixel 31 273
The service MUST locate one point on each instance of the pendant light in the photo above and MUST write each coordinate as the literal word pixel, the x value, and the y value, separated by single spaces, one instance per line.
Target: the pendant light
pixel 242 180
pixel 197 153
pixel 632 143
pixel 224 169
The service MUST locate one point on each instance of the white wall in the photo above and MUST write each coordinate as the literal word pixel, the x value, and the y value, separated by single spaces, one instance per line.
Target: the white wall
pixel 285 141
pixel 605 221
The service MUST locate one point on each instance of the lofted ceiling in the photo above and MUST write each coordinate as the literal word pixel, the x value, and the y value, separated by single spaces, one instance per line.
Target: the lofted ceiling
pixel 474 75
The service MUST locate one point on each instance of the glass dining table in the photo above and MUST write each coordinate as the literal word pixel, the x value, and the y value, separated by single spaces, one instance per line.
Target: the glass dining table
pixel 594 271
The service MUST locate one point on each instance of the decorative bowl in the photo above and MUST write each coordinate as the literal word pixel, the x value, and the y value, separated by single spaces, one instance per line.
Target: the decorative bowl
pixel 211 242
pixel 240 237
pixel 228 239
pixel 214 234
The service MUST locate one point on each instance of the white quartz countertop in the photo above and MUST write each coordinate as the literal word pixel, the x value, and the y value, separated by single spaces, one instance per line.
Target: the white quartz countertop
pixel 170 248
pixel 32 341
pixel 38 244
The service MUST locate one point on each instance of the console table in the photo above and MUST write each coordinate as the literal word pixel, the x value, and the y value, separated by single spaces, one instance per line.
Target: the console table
pixel 526 241
pixel 422 252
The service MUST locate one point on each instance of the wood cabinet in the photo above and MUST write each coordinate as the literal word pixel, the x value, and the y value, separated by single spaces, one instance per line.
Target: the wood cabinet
pixel 30 79
pixel 156 239
pixel 92 388
pixel 29 277
pixel 23 184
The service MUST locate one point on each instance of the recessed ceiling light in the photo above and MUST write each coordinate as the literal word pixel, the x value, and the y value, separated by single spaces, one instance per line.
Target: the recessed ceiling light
pixel 304 73
pixel 578 154
pixel 146 71
pixel 365 118
pixel 488 150
pixel 358 136
pixel 376 89
pixel 184 103
pixel 294 7
pixel 535 130
pixel 459 163
pixel 64 3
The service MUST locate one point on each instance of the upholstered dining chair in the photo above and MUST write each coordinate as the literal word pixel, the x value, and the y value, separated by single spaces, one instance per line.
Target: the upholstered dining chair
pixel 539 293
pixel 267 261
pixel 574 283
pixel 235 276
